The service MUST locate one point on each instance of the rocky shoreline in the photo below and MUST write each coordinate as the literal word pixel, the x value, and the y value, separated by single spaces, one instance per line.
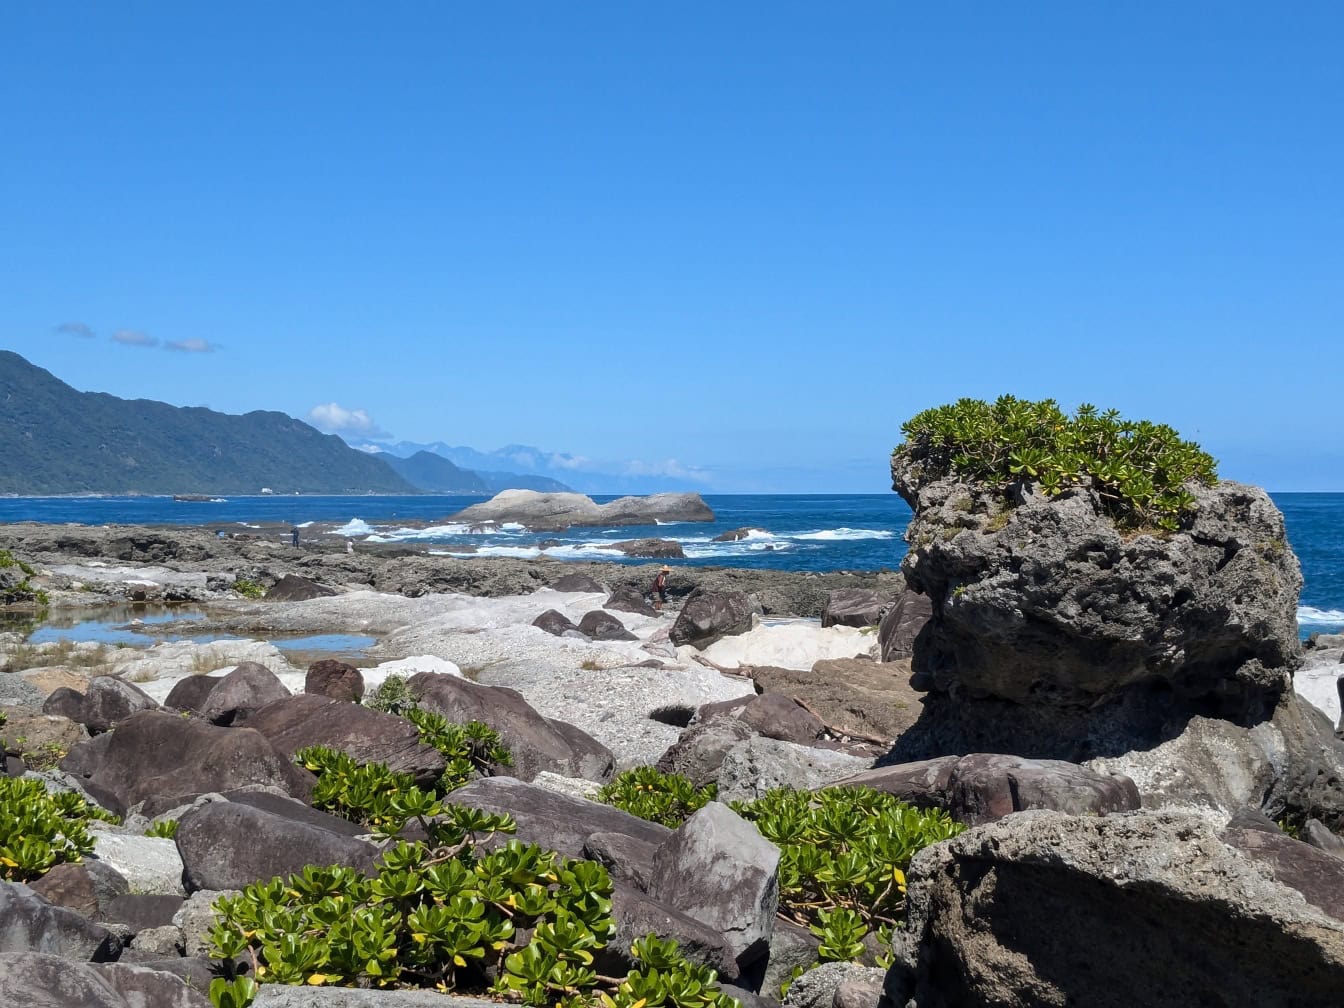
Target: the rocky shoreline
pixel 1110 716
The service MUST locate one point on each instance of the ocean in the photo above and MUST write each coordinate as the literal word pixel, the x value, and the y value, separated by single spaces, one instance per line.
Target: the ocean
pixel 791 532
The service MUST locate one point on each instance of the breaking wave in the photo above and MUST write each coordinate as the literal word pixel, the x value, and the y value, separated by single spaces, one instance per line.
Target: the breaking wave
pixel 1311 616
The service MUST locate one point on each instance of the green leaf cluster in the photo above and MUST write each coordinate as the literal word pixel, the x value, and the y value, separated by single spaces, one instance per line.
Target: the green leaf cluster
pixel 248 588
pixel 517 922
pixel 166 828
pixel 393 696
pixel 385 801
pixel 22 594
pixel 236 993
pixel 659 797
pixel 471 750
pixel 1139 470
pixel 39 830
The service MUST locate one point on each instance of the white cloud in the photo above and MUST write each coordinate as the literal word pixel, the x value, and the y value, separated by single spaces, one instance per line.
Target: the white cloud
pixel 562 461
pixel 75 329
pixel 336 419
pixel 133 337
pixel 191 346
pixel 668 467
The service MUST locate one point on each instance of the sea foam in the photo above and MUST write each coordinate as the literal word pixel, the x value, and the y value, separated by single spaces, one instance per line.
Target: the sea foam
pixel 1311 616
pixel 354 527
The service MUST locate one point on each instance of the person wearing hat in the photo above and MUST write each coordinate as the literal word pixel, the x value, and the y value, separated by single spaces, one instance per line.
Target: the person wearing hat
pixel 660 586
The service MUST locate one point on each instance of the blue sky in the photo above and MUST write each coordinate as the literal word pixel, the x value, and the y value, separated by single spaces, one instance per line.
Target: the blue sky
pixel 745 241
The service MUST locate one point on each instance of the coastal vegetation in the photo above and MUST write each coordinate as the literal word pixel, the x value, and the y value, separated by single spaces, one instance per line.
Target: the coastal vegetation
pixel 1139 470
pixel 39 830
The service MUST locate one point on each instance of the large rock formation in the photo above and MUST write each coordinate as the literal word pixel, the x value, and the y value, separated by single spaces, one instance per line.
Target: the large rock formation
pixel 1056 634
pixel 558 511
pixel 1043 908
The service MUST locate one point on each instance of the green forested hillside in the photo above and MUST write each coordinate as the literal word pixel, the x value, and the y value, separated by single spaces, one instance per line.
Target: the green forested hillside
pixel 54 439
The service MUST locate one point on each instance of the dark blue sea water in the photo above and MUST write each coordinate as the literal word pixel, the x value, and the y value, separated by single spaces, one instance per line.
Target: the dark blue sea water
pixel 795 532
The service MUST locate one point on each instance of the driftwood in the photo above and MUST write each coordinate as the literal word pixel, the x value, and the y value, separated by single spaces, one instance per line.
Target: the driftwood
pixel 736 673
pixel 837 730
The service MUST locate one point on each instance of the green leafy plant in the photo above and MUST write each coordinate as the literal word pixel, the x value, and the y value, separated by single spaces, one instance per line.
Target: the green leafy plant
pixel 166 828
pixel 22 594
pixel 236 993
pixel 517 922
pixel 393 696
pixel 843 855
pixel 39 830
pixel 1139 470
pixel 249 588
pixel 469 750
pixel 659 797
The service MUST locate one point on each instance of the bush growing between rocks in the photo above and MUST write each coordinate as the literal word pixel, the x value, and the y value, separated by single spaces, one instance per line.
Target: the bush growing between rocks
pixel 249 588
pixel 39 830
pixel 518 922
pixel 1137 468
pixel 166 828
pixel 668 799
pixel 393 696
pixel 21 593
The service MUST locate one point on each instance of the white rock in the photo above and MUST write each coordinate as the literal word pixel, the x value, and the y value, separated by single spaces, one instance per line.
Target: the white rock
pixel 407 667
pixel 150 864
pixel 797 644
pixel 1316 681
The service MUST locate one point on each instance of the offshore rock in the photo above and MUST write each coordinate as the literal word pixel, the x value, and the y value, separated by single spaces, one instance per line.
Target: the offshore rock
pixel 559 511
pixel 1055 634
pixel 1159 912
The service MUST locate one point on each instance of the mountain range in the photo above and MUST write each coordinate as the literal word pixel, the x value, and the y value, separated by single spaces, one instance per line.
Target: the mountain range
pixel 55 439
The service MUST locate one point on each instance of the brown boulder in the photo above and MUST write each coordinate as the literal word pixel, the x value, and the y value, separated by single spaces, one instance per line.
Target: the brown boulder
pixel 854 607
pixel 707 616
pixel 852 695
pixel 249 687
pixel 335 679
pixel 292 588
pixel 901 625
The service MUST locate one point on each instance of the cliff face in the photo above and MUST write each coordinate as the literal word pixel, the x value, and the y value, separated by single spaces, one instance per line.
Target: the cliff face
pixel 55 439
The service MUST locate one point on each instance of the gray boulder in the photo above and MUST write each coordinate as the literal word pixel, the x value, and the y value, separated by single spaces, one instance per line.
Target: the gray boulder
pixel 758 765
pixel 248 688
pixel 699 751
pixel 225 845
pixel 983 787
pixel 576 583
pixel 536 743
pixel 108 701
pixel 854 607
pixel 772 715
pixel 707 616
pixel 628 598
pixel 36 980
pixel 150 865
pixel 365 735
pixel 88 887
pixel 156 754
pixel 292 588
pixel 552 820
pixel 1315 833
pixel 637 914
pixel 984 915
pixel 603 626
pixel 902 624
pixel 718 869
pixel 189 694
pixel 820 987
pixel 555 623
pixel 28 923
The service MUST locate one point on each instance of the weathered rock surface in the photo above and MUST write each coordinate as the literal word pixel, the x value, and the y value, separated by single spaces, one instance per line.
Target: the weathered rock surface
pixel 1158 889
pixel 156 754
pixel 902 624
pixel 983 787
pixel 555 821
pixel 1318 876
pixel 28 923
pixel 851 694
pixel 717 869
pixel 699 752
pixel 292 588
pixel 856 607
pixel 629 599
pixel 37 980
pixel 555 623
pixel 636 914
pixel 707 616
pixel 363 734
pixel 753 767
pixel 108 701
pixel 87 887
pixel 245 690
pixel 653 549
pixel 536 743
pixel 150 865
pixel 189 694
pixel 577 583
pixel 559 511
pixel 820 987
pixel 43 735
pixel 336 679
pixel 225 845
pixel 1054 634
pixel 600 625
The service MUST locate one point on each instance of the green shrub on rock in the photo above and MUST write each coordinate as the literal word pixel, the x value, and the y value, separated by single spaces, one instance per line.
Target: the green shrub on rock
pixel 517 922
pixel 1138 469
pixel 393 696
pixel 39 830
pixel 669 799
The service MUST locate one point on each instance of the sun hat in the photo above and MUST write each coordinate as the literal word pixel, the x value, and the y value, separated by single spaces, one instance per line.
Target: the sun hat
pixel 667 568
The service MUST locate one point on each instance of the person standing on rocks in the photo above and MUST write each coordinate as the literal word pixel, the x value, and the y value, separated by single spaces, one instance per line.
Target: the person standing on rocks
pixel 294 536
pixel 660 587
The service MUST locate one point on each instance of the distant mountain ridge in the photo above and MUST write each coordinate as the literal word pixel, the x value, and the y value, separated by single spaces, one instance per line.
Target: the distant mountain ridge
pixel 55 439
pixel 563 470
